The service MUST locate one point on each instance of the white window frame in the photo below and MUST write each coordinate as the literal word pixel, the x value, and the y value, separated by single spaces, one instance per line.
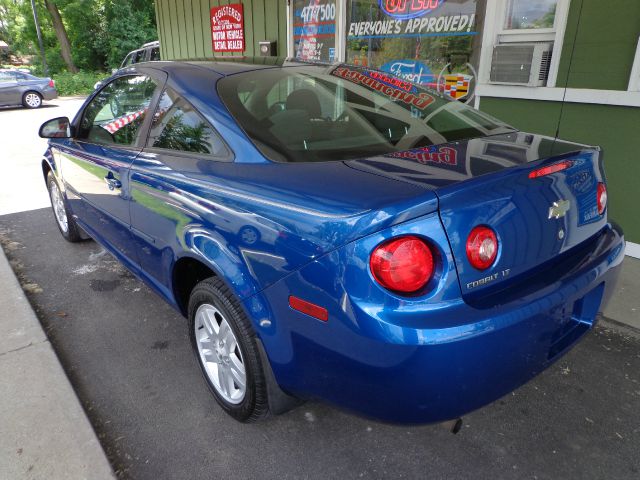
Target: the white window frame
pixel 634 78
pixel 495 33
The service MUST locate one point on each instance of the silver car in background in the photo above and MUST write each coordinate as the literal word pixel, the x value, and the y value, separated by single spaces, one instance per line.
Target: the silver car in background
pixel 149 52
pixel 21 88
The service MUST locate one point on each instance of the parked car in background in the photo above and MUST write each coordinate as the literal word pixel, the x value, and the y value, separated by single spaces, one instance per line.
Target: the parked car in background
pixel 149 52
pixel 336 233
pixel 22 88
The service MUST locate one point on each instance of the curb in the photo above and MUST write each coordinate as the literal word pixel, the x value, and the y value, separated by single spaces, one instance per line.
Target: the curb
pixel 45 431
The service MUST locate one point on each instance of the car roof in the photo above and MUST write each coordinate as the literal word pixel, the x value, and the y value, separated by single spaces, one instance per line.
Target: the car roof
pixel 231 65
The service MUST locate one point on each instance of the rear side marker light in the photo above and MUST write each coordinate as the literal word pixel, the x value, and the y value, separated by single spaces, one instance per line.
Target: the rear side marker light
pixel 52 84
pixel 548 170
pixel 308 308
pixel 602 198
pixel 482 247
pixel 403 265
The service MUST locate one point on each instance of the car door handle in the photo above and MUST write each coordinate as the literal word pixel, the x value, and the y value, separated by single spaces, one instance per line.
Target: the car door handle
pixel 112 182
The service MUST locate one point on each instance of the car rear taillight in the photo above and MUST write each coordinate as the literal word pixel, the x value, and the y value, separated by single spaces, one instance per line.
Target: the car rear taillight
pixel 403 265
pixel 548 170
pixel 482 247
pixel 602 198
pixel 52 84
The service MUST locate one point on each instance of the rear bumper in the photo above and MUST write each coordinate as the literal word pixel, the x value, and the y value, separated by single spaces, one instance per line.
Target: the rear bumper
pixel 49 93
pixel 390 369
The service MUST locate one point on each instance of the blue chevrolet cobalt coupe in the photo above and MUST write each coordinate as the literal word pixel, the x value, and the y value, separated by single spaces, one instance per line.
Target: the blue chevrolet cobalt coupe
pixel 333 232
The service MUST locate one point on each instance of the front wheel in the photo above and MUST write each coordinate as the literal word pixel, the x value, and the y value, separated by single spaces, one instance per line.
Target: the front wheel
pixel 32 100
pixel 226 349
pixel 66 223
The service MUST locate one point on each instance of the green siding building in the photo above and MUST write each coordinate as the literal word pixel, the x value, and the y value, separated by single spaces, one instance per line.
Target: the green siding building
pixel 184 26
pixel 589 93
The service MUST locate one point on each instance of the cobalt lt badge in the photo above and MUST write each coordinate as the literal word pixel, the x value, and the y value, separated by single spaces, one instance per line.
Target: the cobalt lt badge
pixel 559 209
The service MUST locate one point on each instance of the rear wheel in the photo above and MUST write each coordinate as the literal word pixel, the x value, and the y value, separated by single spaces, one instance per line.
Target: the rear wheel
pixel 32 100
pixel 225 346
pixel 65 221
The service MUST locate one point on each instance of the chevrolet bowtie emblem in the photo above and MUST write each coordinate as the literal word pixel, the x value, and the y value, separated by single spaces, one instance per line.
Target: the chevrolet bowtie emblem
pixel 559 209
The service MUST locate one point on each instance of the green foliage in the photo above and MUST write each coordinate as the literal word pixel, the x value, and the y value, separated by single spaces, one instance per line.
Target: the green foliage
pixel 131 23
pixel 101 32
pixel 80 83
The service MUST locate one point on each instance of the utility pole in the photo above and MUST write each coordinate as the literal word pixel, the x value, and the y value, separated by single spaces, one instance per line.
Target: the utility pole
pixel 39 32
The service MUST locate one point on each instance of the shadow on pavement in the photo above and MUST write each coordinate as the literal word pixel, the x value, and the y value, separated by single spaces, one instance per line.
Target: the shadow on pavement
pixel 129 358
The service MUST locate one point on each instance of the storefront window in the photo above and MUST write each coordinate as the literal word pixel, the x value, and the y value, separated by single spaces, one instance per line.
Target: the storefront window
pixel 431 42
pixel 530 14
pixel 314 30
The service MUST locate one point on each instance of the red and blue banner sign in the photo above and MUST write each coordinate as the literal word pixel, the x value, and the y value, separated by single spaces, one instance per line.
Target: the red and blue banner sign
pixel 314 30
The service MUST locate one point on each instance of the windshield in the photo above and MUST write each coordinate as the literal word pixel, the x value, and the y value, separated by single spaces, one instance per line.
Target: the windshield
pixel 316 113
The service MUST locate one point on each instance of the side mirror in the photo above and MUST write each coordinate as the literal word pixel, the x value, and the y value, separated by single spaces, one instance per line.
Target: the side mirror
pixel 56 128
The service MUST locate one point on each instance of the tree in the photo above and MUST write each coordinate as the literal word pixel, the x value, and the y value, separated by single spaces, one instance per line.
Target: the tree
pixel 85 34
pixel 61 33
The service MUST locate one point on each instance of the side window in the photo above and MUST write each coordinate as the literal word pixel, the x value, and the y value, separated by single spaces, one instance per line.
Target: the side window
pixel 138 57
pixel 116 114
pixel 177 126
pixel 7 77
pixel 155 54
pixel 127 60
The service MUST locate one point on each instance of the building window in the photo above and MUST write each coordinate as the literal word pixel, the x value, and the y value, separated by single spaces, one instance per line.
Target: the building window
pixel 434 43
pixel 530 15
pixel 314 30
pixel 522 42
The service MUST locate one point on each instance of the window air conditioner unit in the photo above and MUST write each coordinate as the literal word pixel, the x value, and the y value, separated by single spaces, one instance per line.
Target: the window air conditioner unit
pixel 521 64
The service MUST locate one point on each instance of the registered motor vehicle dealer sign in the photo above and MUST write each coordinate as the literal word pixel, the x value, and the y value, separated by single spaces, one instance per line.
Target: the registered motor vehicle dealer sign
pixel 227 28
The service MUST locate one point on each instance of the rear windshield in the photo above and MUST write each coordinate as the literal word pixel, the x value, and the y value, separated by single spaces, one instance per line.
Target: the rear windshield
pixel 319 113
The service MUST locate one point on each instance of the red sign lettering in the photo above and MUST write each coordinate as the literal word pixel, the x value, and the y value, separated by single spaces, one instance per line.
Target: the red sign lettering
pixel 443 155
pixel 419 100
pixel 227 28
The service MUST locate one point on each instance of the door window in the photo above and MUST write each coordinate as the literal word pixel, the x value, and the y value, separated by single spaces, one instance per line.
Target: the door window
pixel 155 54
pixel 177 126
pixel 117 112
pixel 7 77
pixel 127 60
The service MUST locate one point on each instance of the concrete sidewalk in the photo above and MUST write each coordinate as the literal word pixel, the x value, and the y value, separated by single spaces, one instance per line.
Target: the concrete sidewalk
pixel 45 433
pixel 624 306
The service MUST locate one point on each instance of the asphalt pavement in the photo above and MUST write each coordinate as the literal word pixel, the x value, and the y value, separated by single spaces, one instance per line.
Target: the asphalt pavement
pixel 129 359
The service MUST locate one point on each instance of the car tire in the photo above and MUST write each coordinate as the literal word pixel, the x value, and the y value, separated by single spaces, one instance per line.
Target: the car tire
pixel 61 212
pixel 225 346
pixel 32 100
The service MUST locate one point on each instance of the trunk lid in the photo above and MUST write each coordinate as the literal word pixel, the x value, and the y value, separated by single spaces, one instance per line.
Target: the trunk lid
pixel 486 182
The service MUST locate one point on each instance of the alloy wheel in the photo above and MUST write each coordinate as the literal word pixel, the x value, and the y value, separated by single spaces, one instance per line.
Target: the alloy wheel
pixel 33 100
pixel 58 207
pixel 220 354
